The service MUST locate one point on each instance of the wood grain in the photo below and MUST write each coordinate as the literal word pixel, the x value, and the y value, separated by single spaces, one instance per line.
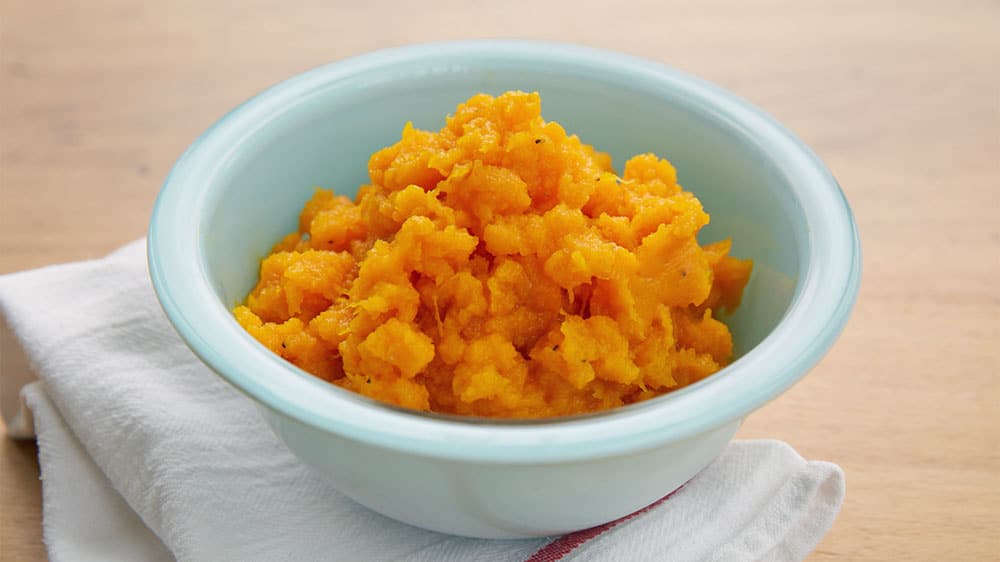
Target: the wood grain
pixel 900 98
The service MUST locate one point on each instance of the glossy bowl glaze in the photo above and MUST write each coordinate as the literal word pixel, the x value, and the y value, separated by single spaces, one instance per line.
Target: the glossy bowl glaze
pixel 241 185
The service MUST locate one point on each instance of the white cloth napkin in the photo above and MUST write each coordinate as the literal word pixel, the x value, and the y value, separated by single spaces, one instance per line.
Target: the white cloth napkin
pixel 148 455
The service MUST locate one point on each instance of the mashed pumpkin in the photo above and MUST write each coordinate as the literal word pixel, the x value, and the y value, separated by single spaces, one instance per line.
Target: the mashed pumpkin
pixel 499 267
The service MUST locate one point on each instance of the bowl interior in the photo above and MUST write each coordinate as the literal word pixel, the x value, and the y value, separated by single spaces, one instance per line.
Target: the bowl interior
pixel 326 137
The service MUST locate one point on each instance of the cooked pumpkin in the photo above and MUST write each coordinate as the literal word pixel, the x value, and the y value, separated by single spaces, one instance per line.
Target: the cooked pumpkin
pixel 500 267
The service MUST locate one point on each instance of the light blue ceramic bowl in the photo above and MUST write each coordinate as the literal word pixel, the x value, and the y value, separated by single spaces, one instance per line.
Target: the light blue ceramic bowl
pixel 240 187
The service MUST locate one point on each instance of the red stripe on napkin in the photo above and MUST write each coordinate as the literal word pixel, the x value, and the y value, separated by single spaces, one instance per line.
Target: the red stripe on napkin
pixel 565 544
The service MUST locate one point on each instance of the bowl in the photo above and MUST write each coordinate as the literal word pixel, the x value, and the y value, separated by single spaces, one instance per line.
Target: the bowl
pixel 241 185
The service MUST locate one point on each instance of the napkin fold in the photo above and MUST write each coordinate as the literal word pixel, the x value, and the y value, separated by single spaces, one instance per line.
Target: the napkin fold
pixel 148 455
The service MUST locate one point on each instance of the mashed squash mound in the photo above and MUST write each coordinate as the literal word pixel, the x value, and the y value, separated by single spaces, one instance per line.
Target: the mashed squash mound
pixel 500 268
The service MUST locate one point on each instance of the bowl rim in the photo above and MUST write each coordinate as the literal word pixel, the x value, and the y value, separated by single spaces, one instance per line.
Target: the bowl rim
pixel 827 287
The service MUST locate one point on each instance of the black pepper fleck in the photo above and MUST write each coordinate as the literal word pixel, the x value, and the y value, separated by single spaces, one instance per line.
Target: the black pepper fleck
pixel 538 141
pixel 555 347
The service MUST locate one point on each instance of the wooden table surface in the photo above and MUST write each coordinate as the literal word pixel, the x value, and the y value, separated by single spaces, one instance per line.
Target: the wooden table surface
pixel 900 98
